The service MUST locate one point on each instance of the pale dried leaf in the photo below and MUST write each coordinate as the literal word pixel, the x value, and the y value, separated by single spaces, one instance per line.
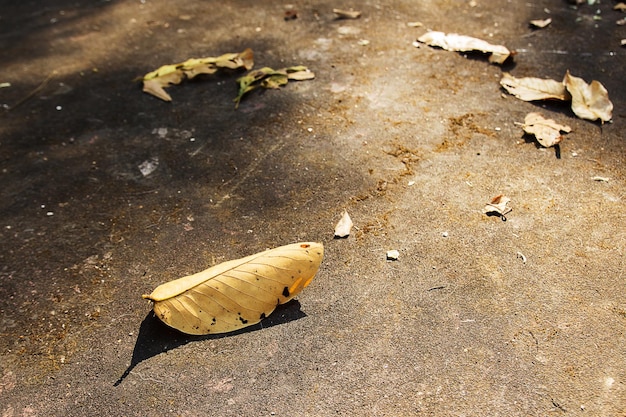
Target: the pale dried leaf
pixel 461 43
pixel 393 255
pixel 299 73
pixel 547 131
pixel 238 293
pixel 541 23
pixel 498 205
pixel 347 14
pixel 155 86
pixel 344 226
pixel 589 101
pixel 531 89
pixel 621 6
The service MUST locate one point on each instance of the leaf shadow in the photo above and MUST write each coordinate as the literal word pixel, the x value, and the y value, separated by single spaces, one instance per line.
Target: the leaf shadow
pixel 507 66
pixel 528 138
pixel 155 337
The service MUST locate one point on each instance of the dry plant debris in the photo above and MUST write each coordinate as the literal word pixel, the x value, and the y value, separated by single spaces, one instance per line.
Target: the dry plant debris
pixel 589 101
pixel 547 131
pixel 540 23
pixel 498 207
pixel 461 43
pixel 154 82
pixel 269 78
pixel 344 226
pixel 393 255
pixel 347 14
pixel 238 293
pixel 532 89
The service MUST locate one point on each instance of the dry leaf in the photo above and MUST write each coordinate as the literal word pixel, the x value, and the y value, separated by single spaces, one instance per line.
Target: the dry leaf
pixel 541 23
pixel 589 101
pixel 460 43
pixel 154 82
pixel 393 255
pixel 547 131
pixel 238 293
pixel 344 226
pixel 498 206
pixel 347 14
pixel 530 88
pixel 269 78
pixel 621 6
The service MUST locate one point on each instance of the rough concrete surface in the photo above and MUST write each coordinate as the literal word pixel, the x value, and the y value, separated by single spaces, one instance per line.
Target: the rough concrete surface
pixel 477 317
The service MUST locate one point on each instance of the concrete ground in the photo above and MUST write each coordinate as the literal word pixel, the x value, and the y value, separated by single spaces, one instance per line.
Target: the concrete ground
pixel 477 317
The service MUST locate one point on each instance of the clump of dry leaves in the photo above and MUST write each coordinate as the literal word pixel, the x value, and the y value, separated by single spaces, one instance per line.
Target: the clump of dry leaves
pixel 167 75
pixel 154 82
pixel 589 101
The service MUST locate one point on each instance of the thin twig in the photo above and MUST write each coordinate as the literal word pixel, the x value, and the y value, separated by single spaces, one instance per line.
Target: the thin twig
pixel 36 91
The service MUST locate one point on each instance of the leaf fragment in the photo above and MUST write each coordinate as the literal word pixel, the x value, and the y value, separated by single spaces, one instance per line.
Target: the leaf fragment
pixel 393 255
pixel 269 78
pixel 498 206
pixel 154 82
pixel 344 226
pixel 531 88
pixel 347 14
pixel 460 43
pixel 547 131
pixel 540 23
pixel 238 293
pixel 589 101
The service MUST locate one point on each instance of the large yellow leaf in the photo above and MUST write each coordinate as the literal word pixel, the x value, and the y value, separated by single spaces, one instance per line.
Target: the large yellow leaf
pixel 237 293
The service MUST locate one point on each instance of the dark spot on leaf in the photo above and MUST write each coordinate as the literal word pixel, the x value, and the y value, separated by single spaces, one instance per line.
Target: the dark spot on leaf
pixel 286 292
pixel 304 246
pixel 262 316
pixel 242 320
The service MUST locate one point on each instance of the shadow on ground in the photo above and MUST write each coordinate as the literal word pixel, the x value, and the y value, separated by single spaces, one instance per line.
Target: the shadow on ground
pixel 155 337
